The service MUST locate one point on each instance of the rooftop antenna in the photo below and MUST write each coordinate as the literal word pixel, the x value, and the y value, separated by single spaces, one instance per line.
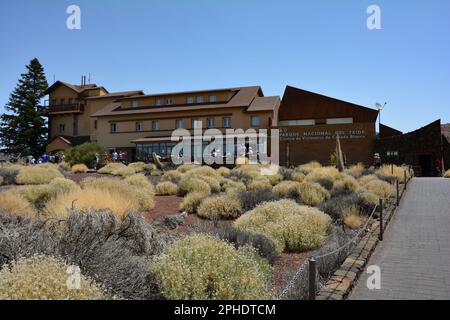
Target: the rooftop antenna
pixel 380 107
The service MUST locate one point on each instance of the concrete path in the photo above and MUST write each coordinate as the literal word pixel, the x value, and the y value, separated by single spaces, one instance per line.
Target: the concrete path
pixel 414 257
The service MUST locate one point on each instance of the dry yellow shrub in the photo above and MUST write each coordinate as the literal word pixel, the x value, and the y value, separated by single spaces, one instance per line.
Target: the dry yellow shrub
pixel 188 185
pixel 260 183
pixel 166 188
pixel 12 201
pixel 352 217
pixel 200 267
pixel 347 184
pixel 37 175
pixel 220 207
pixel 172 175
pixel 79 168
pixel 312 194
pixel 447 174
pixel 286 189
pixel 229 185
pixel 44 278
pixel 291 226
pixel 223 171
pixel 192 201
pixel 382 189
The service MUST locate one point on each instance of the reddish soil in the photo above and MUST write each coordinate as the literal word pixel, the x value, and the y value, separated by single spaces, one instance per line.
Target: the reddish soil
pixel 164 205
pixel 285 267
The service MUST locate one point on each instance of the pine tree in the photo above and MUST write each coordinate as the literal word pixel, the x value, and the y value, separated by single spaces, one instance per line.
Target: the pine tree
pixel 23 130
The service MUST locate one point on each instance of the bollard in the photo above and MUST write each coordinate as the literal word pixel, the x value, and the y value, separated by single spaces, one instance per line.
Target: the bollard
pixel 398 193
pixel 312 279
pixel 404 173
pixel 380 236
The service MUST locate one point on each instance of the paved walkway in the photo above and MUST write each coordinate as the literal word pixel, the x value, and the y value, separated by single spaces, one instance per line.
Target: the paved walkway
pixel 415 255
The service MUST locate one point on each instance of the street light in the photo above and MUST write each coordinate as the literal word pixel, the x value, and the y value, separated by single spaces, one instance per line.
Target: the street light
pixel 380 107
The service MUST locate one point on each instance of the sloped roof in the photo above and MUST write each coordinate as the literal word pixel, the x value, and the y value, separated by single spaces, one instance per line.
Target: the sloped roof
pixel 243 97
pixel 75 87
pixel 118 94
pixel 264 104
pixel 299 104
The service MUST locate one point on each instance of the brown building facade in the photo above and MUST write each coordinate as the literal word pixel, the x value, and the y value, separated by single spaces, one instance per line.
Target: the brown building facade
pixel 309 124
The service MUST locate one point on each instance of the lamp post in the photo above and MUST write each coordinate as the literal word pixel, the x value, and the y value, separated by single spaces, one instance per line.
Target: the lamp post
pixel 380 107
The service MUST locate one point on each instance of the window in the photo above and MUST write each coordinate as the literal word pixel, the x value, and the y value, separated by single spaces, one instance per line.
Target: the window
pixel 200 99
pixel 196 124
pixel 340 121
pixel 62 101
pixel 155 125
pixel 139 126
pixel 70 100
pixel 95 124
pixel 169 101
pixel 290 123
pixel 211 123
pixel 135 104
pixel 190 100
pixel 179 124
pixel 255 121
pixel 62 127
pixel 226 122
pixel 113 127
pixel 212 99
pixel 159 102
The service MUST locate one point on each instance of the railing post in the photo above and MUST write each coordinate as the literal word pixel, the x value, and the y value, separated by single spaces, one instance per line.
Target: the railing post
pixel 380 235
pixel 406 181
pixel 398 193
pixel 312 279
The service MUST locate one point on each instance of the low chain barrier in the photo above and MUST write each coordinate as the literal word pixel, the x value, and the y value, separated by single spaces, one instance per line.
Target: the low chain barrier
pixel 307 279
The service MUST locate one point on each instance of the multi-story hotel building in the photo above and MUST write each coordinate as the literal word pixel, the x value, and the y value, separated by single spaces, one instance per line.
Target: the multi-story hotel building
pixel 140 124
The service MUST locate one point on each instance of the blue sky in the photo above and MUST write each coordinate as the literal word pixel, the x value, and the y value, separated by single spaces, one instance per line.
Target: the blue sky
pixel 321 46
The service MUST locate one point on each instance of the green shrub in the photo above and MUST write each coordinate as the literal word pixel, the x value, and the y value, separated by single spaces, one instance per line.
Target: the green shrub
pixel 203 267
pixel 84 153
pixel 312 194
pixel 44 278
pixel 188 185
pixel 220 207
pixel 37 175
pixel 293 227
pixel 166 188
pixel 79 168
pixel 192 201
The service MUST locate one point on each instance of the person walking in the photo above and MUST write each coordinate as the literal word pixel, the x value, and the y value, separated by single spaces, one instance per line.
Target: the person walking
pixel 377 161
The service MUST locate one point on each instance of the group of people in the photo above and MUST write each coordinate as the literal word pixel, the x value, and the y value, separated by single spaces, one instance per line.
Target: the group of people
pixel 115 156
pixel 45 158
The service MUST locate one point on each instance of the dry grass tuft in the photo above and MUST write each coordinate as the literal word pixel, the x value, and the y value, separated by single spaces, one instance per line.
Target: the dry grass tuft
pixel 44 278
pixel 382 189
pixel 352 217
pixel 447 174
pixel 12 202
pixel 292 227
pixel 312 194
pixel 188 185
pixel 166 188
pixel 192 201
pixel 37 175
pixel 79 168
pixel 201 267
pixel 220 207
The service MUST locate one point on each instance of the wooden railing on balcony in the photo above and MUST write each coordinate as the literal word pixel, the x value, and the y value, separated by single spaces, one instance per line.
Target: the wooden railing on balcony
pixel 72 107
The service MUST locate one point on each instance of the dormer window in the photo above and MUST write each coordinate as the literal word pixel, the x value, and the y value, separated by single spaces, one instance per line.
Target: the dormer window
pixel 135 104
pixel 169 101
pixel 200 99
pixel 212 99
pixel 159 102
pixel 190 100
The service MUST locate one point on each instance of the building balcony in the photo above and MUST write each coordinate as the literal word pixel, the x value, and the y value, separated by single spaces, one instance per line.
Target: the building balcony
pixel 66 108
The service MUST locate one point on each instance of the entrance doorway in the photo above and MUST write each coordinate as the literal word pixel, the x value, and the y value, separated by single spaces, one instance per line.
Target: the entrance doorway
pixel 426 164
